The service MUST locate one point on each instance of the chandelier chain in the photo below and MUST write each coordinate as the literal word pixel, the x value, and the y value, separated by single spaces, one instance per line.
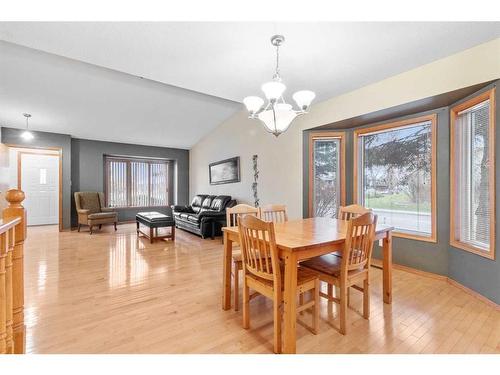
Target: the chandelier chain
pixel 277 75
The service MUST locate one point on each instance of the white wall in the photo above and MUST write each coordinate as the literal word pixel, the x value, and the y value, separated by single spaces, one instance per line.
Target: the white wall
pixel 280 159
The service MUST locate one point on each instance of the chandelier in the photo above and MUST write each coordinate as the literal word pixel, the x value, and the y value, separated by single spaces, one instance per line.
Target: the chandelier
pixel 277 115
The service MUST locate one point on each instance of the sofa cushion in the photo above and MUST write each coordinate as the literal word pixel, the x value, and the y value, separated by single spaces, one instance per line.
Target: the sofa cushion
pixel 90 201
pixel 219 202
pixel 103 215
pixel 207 203
pixel 193 218
pixel 197 202
pixel 184 215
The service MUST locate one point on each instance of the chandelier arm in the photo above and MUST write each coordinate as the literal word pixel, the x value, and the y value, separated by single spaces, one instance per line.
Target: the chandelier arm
pixel 254 115
pixel 274 122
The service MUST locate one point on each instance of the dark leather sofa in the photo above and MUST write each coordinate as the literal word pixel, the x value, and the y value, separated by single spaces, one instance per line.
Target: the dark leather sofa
pixel 205 216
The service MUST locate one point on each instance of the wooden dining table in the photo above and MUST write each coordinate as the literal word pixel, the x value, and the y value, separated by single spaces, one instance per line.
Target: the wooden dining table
pixel 296 241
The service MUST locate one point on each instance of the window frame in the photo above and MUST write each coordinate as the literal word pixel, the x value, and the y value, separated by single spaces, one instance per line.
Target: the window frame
pixel 128 160
pixel 390 126
pixel 454 212
pixel 341 136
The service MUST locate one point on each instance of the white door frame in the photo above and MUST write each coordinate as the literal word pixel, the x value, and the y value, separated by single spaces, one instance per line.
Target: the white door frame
pixel 58 155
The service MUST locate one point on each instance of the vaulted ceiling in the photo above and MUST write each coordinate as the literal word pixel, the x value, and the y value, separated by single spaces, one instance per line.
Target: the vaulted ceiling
pixel 169 84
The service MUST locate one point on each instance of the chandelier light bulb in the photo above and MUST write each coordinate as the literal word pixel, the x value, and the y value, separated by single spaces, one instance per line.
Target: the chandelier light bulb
pixel 273 90
pixel 278 118
pixel 253 103
pixel 304 98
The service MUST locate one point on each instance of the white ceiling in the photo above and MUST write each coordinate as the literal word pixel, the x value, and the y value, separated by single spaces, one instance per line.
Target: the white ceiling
pixel 70 97
pixel 225 60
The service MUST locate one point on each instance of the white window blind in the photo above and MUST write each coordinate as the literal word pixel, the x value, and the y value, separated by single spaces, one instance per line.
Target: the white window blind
pixel 473 174
pixel 158 193
pixel 395 171
pixel 117 183
pixel 136 182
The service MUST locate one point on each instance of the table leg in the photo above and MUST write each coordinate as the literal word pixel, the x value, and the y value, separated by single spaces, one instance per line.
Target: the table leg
pixel 137 224
pixel 290 306
pixel 173 232
pixel 387 268
pixel 226 277
pixel 151 235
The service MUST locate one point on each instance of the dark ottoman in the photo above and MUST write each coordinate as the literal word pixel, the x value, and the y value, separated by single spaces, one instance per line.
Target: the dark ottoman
pixel 154 220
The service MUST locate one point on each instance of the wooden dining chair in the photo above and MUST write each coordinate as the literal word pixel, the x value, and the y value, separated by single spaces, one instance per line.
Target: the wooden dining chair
pixel 352 268
pixel 274 212
pixel 348 213
pixel 352 211
pixel 232 215
pixel 262 273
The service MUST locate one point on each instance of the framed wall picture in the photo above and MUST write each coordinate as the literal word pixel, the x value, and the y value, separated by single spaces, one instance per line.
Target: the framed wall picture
pixel 225 171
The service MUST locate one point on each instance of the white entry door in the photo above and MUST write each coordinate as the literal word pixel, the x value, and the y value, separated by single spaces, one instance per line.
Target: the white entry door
pixel 40 183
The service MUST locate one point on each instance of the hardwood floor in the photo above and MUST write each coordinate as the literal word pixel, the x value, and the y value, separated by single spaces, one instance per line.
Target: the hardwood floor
pixel 113 293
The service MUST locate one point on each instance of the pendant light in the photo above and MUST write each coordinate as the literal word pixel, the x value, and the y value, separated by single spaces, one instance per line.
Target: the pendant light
pixel 27 135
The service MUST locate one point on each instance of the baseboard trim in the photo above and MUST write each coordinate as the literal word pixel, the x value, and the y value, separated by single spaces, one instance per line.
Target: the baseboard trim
pixel 378 263
pixel 474 293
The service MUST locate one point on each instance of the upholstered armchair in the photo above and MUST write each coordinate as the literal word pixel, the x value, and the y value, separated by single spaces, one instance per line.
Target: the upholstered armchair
pixel 91 210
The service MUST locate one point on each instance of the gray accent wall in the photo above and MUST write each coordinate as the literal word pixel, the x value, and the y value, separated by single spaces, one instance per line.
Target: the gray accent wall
pixel 83 167
pixel 87 172
pixel 473 271
pixel 12 137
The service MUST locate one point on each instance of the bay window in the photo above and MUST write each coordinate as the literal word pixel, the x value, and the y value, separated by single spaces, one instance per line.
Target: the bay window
pixel 326 173
pixel 472 175
pixel 394 175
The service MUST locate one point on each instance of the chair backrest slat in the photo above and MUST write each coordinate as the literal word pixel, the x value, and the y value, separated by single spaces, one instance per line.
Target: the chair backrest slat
pixel 274 212
pixel 258 248
pixel 360 235
pixel 352 211
pixel 233 213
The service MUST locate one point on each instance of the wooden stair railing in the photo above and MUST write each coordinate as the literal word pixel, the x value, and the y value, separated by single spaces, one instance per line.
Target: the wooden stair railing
pixel 12 236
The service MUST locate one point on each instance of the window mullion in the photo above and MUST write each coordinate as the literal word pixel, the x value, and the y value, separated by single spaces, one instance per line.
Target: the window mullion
pixel 129 183
pixel 149 184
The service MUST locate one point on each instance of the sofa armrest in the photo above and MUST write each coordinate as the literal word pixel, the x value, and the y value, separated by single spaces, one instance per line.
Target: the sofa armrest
pixel 231 204
pixel 107 209
pixel 82 216
pixel 182 209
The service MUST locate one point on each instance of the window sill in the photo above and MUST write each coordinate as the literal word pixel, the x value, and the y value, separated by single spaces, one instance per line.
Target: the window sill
pixel 472 249
pixel 415 237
